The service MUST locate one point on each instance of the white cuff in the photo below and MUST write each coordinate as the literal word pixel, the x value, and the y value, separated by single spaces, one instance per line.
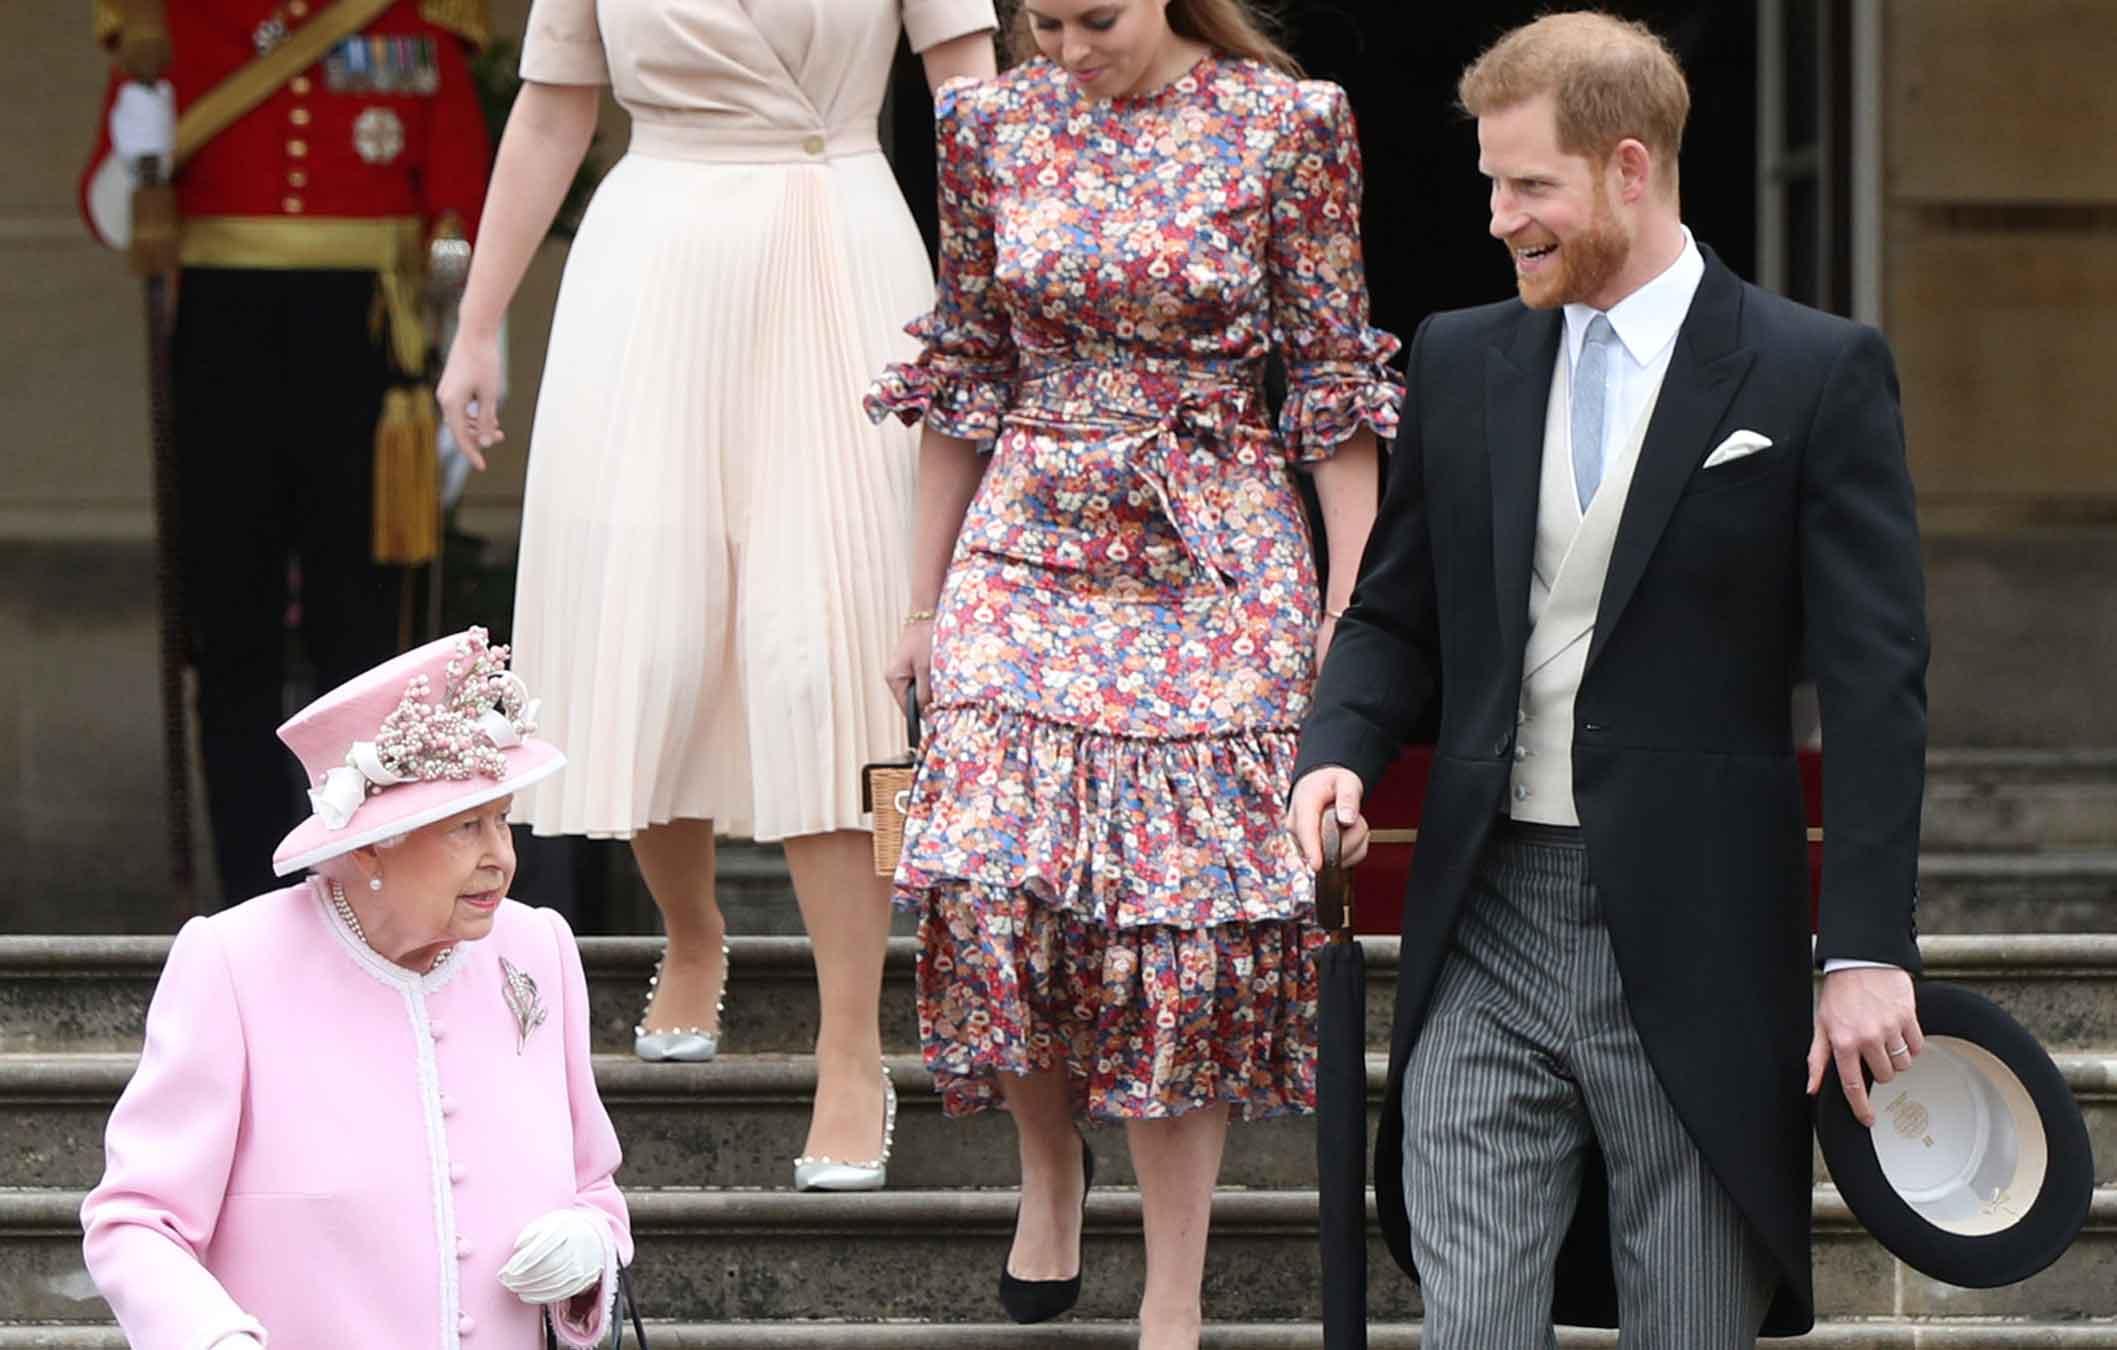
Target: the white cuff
pixel 244 1337
pixel 591 1333
pixel 1837 963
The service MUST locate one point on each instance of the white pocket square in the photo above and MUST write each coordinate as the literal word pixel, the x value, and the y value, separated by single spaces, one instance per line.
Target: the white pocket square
pixel 1736 446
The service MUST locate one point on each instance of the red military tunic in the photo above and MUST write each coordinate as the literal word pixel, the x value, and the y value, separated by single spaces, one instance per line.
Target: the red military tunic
pixel 361 149
pixel 296 419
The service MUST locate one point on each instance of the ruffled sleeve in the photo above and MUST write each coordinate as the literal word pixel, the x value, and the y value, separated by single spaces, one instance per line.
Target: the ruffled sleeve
pixel 1338 376
pixel 964 381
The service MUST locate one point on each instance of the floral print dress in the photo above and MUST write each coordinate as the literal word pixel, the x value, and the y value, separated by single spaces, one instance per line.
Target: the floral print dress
pixel 1125 641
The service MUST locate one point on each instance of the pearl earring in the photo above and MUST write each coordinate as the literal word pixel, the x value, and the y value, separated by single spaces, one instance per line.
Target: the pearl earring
pixel 374 883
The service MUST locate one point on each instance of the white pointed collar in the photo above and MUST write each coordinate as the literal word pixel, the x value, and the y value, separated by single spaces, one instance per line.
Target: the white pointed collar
pixel 1647 320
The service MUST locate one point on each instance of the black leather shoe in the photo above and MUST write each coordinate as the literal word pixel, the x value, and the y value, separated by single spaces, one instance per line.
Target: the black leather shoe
pixel 1028 1301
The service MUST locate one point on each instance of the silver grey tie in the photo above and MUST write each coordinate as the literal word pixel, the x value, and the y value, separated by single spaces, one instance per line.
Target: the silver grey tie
pixel 1590 379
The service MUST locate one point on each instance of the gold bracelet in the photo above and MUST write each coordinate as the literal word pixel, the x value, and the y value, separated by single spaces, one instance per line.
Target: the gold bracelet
pixel 918 616
pixel 1334 613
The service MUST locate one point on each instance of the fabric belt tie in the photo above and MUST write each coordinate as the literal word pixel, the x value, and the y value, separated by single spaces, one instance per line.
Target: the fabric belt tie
pixel 1187 481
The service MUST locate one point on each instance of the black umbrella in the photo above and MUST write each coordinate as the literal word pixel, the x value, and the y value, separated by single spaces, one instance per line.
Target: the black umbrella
pixel 1341 1106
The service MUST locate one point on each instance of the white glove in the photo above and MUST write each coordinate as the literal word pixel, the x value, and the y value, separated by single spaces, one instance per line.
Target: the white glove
pixel 557 1257
pixel 143 122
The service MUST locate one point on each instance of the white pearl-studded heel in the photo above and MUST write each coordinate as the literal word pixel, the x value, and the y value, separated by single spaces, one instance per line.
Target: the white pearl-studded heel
pixel 828 1174
pixel 681 1045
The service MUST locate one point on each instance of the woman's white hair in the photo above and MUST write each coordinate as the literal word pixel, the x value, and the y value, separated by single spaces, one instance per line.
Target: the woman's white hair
pixel 341 869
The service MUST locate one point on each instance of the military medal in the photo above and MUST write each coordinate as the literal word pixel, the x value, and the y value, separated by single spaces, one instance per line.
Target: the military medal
pixel 378 135
pixel 426 67
pixel 383 65
pixel 350 68
pixel 382 61
pixel 270 33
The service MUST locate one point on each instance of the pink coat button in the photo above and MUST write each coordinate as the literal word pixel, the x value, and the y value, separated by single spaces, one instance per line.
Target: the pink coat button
pixel 456 1172
pixel 448 1105
pixel 466 1324
pixel 436 1030
pixel 462 1249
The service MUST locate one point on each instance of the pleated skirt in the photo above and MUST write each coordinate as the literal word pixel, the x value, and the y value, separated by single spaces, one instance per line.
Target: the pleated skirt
pixel 713 556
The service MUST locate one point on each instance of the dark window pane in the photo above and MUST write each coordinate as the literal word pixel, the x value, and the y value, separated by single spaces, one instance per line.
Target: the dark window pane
pixel 1799 51
pixel 1803 201
pixel 1838 164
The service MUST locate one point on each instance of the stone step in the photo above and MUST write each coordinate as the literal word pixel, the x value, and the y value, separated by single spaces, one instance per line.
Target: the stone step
pixel 2002 858
pixel 752 885
pixel 2057 891
pixel 2015 841
pixel 1965 886
pixel 766 1256
pixel 736 1123
pixel 1110 1335
pixel 66 994
pixel 2020 799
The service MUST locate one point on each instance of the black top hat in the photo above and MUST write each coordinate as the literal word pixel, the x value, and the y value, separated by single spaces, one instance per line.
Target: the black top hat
pixel 1977 1170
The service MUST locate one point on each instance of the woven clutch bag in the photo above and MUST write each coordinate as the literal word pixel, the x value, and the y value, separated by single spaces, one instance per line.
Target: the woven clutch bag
pixel 885 791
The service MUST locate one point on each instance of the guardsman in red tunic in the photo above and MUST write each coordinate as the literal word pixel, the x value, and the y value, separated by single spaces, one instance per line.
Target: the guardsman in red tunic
pixel 329 158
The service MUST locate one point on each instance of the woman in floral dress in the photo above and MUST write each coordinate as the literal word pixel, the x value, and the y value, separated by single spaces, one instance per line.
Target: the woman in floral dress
pixel 1114 924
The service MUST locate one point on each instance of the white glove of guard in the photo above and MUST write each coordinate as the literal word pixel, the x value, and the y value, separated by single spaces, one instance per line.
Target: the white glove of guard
pixel 557 1257
pixel 143 122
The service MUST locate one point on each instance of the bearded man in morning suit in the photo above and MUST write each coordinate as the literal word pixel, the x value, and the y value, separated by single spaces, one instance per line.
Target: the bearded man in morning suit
pixel 1627 512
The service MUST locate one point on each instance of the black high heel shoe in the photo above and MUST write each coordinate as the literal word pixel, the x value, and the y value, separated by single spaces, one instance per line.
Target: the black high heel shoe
pixel 1028 1301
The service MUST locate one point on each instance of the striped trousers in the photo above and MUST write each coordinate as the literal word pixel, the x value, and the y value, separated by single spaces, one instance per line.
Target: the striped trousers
pixel 1528 1054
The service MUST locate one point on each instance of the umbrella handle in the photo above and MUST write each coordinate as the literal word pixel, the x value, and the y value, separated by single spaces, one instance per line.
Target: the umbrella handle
pixel 1334 897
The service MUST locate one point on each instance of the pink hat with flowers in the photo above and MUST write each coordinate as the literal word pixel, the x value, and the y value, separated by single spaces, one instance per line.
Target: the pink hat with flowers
pixel 438 730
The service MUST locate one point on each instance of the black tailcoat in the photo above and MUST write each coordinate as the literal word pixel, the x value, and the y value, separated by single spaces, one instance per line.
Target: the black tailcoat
pixel 1725 587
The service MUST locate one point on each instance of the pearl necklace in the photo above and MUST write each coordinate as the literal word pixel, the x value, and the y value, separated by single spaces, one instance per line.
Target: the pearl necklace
pixel 352 921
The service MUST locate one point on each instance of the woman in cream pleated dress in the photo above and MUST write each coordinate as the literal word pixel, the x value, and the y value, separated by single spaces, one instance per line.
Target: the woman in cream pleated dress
pixel 712 571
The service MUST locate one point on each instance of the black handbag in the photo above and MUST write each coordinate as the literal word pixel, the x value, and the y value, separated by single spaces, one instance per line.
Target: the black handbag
pixel 626 1306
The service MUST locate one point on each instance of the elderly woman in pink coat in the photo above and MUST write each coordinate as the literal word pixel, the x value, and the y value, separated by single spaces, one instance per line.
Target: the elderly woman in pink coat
pixel 365 1114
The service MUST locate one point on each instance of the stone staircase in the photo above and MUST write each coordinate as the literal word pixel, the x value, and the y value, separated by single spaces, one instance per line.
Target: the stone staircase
pixel 2019 904
pixel 2018 842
